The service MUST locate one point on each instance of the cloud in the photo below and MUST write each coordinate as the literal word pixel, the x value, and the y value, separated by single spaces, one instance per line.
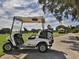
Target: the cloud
pixel 10 8
pixel 20 7
pixel 5 23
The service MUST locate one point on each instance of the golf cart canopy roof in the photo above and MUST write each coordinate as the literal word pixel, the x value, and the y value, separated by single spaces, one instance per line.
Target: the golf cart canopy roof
pixel 37 19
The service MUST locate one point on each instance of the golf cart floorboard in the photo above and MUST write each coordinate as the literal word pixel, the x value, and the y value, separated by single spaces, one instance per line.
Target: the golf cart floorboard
pixel 27 47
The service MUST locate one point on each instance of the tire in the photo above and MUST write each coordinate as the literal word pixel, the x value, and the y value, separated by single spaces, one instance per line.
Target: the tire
pixel 7 47
pixel 42 47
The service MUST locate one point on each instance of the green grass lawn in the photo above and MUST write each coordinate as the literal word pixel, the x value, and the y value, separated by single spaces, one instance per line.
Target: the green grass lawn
pixel 25 37
pixel 56 34
pixel 2 41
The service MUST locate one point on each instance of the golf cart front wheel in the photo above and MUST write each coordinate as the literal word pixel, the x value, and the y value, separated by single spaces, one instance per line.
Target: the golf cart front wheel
pixel 42 48
pixel 7 47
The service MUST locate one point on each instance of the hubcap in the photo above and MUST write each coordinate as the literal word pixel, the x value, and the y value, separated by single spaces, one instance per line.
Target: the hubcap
pixel 7 47
pixel 42 48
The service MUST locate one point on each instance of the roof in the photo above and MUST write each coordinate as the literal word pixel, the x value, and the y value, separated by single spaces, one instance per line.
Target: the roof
pixel 37 19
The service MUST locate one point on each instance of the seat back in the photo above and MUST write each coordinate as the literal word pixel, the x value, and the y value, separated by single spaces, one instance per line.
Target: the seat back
pixel 18 39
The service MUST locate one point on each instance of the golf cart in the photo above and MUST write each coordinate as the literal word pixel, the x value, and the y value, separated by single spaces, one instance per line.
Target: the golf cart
pixel 39 41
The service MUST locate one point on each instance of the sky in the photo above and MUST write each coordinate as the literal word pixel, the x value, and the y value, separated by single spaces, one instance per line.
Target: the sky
pixel 10 8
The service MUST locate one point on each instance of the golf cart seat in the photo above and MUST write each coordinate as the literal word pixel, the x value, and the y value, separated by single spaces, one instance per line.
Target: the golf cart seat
pixel 18 39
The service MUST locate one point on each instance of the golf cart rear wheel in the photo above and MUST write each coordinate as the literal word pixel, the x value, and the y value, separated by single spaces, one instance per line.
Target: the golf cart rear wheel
pixel 42 47
pixel 7 47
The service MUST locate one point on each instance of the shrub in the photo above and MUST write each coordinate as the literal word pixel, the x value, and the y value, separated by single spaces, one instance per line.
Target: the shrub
pixel 61 29
pixel 5 30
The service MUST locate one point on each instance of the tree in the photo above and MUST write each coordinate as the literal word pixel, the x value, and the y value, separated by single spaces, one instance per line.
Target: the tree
pixel 61 29
pixel 5 30
pixel 77 27
pixel 58 7
pixel 73 29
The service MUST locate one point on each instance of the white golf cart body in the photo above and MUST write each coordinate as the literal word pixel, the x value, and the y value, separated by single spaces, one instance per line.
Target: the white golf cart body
pixel 31 42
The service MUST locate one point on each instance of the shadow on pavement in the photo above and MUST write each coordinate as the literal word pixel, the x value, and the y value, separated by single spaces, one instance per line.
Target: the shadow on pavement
pixel 76 38
pixel 68 42
pixel 34 54
pixel 75 47
pixel 74 43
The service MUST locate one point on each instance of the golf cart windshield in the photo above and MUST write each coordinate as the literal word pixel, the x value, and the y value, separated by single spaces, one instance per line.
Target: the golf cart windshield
pixel 18 22
pixel 16 26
